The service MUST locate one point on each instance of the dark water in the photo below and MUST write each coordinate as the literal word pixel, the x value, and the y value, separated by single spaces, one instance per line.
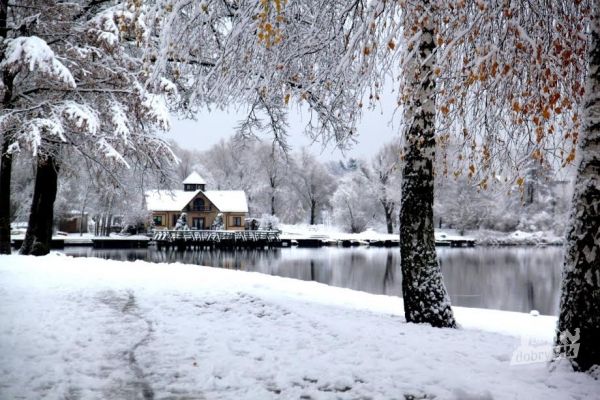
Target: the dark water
pixel 513 279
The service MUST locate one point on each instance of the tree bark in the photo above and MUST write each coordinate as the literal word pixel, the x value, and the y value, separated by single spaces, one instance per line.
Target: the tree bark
pixel 313 212
pixel 5 157
pixel 580 296
pixel 425 296
pixel 273 186
pixel 272 204
pixel 388 209
pixel 39 230
pixel 5 173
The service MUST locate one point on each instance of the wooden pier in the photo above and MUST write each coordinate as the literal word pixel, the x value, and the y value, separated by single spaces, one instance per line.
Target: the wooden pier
pixel 198 239
pixel 120 243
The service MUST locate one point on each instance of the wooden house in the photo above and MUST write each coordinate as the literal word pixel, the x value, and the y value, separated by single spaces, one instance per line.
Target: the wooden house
pixel 201 206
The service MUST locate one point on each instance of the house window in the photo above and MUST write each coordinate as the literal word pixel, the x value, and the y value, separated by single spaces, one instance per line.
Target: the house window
pixel 199 205
pixel 237 221
pixel 158 220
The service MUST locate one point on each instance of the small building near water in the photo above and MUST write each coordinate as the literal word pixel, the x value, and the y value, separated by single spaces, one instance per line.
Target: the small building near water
pixel 201 206
pixel 73 222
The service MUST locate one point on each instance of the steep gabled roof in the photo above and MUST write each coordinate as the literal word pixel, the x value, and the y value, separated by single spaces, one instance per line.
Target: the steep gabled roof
pixel 228 200
pixel 168 200
pixel 194 179
pixel 176 200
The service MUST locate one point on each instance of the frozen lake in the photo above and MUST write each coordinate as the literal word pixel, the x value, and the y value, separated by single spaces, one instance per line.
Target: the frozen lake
pixel 505 278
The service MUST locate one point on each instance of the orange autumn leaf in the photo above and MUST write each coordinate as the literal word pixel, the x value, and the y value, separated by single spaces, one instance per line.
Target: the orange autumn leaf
pixel 546 113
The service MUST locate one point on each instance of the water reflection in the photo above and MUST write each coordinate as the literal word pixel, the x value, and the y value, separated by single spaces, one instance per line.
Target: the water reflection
pixel 515 279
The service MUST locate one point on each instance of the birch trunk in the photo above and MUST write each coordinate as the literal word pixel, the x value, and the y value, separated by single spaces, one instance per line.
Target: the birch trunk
pixel 580 297
pixel 425 296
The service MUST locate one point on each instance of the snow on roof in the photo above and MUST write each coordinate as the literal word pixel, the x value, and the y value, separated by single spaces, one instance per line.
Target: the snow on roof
pixel 228 200
pixel 194 179
pixel 176 200
pixel 168 200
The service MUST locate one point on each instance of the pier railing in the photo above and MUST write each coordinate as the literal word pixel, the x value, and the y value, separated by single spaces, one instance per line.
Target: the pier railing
pixel 216 236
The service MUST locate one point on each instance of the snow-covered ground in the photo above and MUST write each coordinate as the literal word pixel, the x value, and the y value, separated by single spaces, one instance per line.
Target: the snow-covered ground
pixel 98 329
pixel 86 238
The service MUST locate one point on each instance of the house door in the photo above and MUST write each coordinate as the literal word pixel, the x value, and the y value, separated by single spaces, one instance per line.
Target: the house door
pixel 198 223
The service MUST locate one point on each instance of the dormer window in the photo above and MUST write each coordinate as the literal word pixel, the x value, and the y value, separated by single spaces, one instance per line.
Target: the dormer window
pixel 192 187
pixel 193 182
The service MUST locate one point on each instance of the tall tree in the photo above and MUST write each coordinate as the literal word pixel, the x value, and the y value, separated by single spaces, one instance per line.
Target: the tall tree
pixel 425 296
pixel 580 298
pixel 272 161
pixel 313 184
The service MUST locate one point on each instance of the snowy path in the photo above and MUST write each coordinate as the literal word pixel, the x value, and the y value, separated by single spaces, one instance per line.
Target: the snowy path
pixel 96 329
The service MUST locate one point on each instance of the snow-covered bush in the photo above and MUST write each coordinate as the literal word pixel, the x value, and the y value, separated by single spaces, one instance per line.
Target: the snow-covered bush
pixel 355 206
pixel 269 222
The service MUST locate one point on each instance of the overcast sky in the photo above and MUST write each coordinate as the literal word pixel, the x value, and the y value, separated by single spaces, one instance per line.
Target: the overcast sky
pixel 374 130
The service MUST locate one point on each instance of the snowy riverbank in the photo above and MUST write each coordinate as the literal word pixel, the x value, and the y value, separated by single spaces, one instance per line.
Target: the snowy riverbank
pixel 482 237
pixel 96 329
pixel 517 238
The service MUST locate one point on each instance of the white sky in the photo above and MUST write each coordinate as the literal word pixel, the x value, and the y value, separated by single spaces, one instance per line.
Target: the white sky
pixel 374 130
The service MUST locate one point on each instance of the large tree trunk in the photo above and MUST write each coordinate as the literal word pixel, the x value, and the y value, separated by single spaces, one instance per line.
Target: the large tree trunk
pixel 580 298
pixel 39 230
pixel 5 157
pixel 5 172
pixel 425 296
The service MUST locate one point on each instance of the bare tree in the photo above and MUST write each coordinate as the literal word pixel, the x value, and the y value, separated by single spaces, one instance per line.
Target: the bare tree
pixel 272 163
pixel 313 184
pixel 385 174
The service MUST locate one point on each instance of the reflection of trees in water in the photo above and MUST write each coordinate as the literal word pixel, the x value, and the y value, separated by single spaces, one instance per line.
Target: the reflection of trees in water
pixel 517 279
pixel 388 277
